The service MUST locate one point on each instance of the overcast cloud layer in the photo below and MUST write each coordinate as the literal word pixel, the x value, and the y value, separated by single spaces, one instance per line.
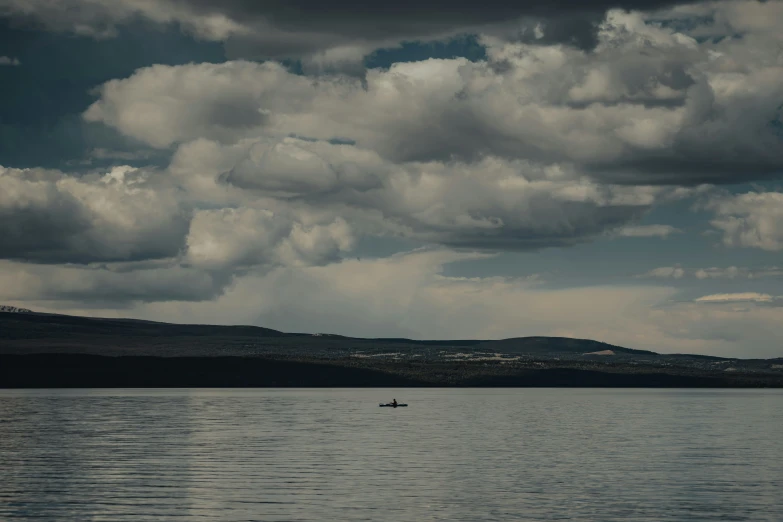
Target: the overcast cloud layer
pixel 275 179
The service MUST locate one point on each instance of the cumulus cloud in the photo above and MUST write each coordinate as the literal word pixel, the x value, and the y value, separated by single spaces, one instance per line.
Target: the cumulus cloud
pixel 275 176
pixel 751 220
pixel 298 203
pixel 273 168
pixel 492 203
pixel 650 105
pixel 298 167
pixel 46 216
pixel 246 237
pixel 7 60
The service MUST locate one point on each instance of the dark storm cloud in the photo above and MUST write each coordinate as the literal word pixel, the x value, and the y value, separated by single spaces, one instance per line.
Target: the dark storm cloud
pixel 40 231
pixel 54 237
pixel 280 28
pixel 46 217
pixel 307 26
pixel 370 19
pixel 687 168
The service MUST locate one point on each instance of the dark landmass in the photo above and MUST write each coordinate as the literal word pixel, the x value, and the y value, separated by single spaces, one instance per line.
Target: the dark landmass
pixel 52 351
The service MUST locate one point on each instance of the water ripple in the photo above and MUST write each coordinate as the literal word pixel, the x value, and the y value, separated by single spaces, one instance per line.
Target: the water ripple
pixel 535 454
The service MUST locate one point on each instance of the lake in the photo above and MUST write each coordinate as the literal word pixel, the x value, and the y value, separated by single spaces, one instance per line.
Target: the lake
pixel 452 454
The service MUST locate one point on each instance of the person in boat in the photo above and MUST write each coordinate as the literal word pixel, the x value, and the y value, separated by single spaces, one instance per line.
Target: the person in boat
pixel 394 402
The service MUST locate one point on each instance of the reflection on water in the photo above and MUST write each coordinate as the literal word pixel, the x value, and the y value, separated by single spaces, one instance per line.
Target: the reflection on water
pixel 531 454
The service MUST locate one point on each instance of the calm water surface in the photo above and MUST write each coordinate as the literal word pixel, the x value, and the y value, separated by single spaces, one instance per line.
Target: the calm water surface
pixel 510 454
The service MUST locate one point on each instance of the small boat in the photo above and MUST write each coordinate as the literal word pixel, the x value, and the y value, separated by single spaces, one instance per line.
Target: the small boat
pixel 390 405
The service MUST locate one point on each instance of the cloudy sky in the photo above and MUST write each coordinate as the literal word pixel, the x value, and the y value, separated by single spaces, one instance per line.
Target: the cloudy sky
pixel 609 170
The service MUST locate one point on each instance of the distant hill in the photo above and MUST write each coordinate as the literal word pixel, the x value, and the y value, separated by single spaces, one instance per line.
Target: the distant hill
pixel 50 350
pixel 32 332
pixel 37 325
pixel 37 332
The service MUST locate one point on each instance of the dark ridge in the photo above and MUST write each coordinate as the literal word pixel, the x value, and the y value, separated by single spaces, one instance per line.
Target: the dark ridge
pixel 93 371
pixel 37 325
pixel 50 350
pixel 55 326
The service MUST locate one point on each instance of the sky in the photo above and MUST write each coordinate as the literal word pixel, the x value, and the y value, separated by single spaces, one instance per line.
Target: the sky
pixel 429 169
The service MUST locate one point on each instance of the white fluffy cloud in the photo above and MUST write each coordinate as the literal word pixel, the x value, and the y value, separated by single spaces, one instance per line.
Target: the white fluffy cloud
pixel 492 203
pixel 223 210
pixel 649 105
pixel 275 176
pixel 245 237
pixel 297 167
pixel 523 150
pixel 753 220
pixel 115 223
pixel 518 151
